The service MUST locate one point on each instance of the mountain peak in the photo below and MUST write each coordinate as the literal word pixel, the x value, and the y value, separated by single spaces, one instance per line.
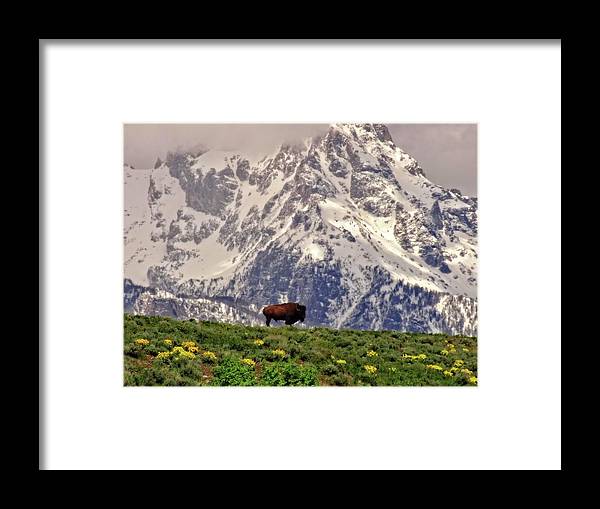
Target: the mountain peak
pixel 383 132
pixel 361 131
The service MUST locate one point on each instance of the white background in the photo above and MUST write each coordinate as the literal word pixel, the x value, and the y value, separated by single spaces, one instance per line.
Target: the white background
pixel 511 421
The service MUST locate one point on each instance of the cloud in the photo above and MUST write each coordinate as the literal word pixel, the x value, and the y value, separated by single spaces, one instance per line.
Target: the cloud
pixel 145 142
pixel 446 152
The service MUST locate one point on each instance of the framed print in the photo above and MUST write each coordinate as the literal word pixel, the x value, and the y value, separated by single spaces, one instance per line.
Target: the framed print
pixel 349 247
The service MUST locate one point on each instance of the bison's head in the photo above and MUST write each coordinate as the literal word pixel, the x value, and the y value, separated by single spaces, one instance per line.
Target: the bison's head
pixel 301 311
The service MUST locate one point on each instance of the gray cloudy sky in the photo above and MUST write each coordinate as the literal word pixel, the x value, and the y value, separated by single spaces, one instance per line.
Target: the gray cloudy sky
pixel 446 152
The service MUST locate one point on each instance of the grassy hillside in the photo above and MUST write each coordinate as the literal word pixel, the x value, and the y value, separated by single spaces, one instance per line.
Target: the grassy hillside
pixel 164 351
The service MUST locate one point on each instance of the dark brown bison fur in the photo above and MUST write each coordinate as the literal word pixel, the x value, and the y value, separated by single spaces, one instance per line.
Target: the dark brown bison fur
pixel 291 312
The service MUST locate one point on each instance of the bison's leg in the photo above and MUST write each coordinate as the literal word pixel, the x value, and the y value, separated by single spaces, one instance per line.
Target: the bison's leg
pixel 268 321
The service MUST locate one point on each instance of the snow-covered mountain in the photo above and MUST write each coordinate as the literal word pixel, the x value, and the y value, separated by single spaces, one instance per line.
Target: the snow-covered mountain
pixel 346 223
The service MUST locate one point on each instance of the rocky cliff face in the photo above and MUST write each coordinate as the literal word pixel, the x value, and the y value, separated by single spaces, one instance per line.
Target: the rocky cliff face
pixel 152 301
pixel 347 224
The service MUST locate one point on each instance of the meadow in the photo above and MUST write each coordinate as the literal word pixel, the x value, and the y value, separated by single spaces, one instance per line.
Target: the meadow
pixel 161 351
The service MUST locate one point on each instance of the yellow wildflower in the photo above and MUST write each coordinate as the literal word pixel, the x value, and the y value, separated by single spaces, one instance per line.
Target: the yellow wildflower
pixel 189 346
pixel 370 369
pixel 444 352
pixel 181 353
pixel 473 380
pixel 249 362
pixel 434 366
pixel 458 363
pixel 259 342
pixel 168 342
pixel 454 369
pixel 448 373
pixel 465 350
pixel 279 352
pixel 420 357
pixel 371 353
pixel 466 371
pixel 340 361
pixel 163 355
pixel 142 342
pixel 209 356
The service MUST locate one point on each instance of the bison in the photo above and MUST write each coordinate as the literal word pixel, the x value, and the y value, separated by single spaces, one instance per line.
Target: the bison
pixel 291 312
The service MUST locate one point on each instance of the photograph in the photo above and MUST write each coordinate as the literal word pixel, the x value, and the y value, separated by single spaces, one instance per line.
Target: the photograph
pixel 297 254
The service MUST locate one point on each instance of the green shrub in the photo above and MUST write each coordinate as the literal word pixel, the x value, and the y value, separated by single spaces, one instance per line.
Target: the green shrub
pixel 330 369
pixel 232 371
pixel 341 379
pixel 288 373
